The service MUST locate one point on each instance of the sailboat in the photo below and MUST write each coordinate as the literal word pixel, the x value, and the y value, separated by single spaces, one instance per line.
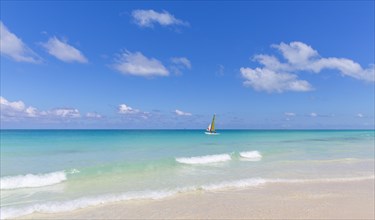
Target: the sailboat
pixel 211 127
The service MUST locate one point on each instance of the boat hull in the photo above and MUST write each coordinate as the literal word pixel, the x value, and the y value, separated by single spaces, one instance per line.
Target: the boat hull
pixel 209 133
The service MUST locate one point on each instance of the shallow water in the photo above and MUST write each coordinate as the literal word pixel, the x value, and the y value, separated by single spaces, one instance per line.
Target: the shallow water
pixel 62 170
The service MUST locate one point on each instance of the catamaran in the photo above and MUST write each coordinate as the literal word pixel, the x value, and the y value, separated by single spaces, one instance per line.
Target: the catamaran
pixel 211 127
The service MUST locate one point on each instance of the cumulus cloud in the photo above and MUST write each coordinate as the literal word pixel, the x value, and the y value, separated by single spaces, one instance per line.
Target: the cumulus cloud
pixel 132 113
pixel 63 51
pixel 147 18
pixel 17 105
pixel 296 53
pixel 263 79
pixel 65 112
pixel 138 65
pixel 12 109
pixel 13 47
pixel 125 109
pixel 313 114
pixel 181 113
pixel 31 112
pixel 17 110
pixel 277 76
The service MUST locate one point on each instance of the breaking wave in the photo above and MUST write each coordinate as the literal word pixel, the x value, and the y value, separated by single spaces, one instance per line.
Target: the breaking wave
pixel 34 180
pixel 251 155
pixel 204 159
pixel 70 205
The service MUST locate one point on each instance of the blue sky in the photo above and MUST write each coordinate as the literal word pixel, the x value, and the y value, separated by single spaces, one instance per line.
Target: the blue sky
pixel 119 64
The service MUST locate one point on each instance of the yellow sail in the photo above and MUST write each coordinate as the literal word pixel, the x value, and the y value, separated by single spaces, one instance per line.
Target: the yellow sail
pixel 213 125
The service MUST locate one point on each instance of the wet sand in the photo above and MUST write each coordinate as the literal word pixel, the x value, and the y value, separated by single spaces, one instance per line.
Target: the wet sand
pixel 325 200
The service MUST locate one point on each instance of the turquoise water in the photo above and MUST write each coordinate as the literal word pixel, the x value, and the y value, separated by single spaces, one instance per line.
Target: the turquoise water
pixel 63 170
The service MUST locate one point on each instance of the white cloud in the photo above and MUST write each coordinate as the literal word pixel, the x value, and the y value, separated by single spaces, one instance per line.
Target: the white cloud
pixel 276 76
pixel 271 62
pixel 263 79
pixel 346 67
pixel 290 114
pixel 181 61
pixel 138 65
pixel 31 111
pixel 63 51
pixel 124 109
pixel 13 47
pixel 181 113
pixel 147 18
pixel 17 110
pixel 12 109
pixel 313 114
pixel 65 112
pixel 93 115
pixel 360 115
pixel 17 106
pixel 297 53
pixel 131 112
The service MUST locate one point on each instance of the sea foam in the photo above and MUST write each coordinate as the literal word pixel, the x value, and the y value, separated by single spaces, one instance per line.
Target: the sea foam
pixel 79 203
pixel 244 183
pixel 322 180
pixel 204 159
pixel 251 155
pixel 70 205
pixel 34 180
pixel 84 202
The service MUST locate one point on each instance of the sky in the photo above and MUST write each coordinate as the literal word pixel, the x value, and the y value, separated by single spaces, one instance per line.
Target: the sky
pixel 172 65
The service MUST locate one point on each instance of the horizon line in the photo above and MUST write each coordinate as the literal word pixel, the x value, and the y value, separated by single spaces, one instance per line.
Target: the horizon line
pixel 196 129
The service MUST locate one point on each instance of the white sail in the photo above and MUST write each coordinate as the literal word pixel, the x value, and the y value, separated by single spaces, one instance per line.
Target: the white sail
pixel 209 127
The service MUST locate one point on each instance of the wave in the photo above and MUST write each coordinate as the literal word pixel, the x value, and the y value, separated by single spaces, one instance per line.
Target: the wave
pixel 251 182
pixel 204 159
pixel 235 184
pixel 322 180
pixel 70 205
pixel 338 160
pixel 251 155
pixel 34 180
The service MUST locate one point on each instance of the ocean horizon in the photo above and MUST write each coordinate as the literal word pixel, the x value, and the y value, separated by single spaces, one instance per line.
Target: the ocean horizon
pixel 195 129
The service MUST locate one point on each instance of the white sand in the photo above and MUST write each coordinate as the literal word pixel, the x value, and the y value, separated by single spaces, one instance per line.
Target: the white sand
pixel 329 200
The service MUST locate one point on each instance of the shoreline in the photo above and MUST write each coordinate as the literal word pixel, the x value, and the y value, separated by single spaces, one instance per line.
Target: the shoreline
pixel 309 200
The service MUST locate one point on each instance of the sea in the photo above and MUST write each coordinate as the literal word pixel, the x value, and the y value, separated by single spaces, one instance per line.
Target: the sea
pixel 51 171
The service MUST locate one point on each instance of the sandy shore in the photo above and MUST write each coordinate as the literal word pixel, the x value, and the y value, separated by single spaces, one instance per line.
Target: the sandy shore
pixel 328 200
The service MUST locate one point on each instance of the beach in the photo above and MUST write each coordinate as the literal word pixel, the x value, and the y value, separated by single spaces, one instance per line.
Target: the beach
pixel 328 200
pixel 187 109
pixel 168 174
